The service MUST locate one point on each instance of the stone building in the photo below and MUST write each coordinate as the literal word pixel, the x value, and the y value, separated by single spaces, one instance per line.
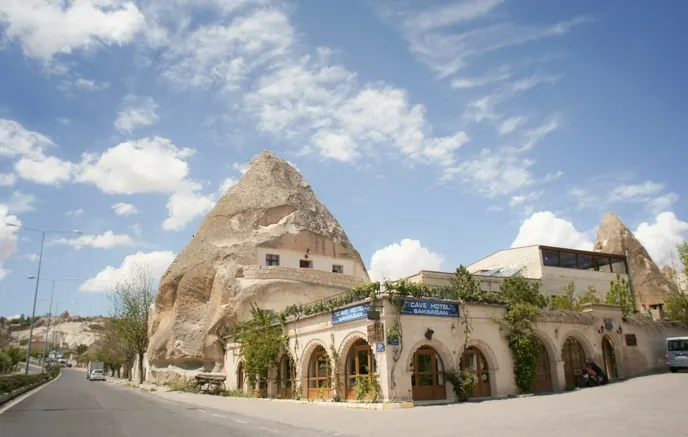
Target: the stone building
pixel 328 351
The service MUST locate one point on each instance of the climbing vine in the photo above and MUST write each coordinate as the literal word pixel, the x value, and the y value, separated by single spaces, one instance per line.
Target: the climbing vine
pixel 336 373
pixel 525 302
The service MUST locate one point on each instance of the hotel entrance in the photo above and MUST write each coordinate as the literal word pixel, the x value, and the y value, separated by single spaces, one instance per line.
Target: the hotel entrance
pixel 319 375
pixel 427 379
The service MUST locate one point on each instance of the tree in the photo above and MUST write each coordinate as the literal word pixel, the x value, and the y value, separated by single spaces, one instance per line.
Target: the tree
pixel 517 289
pixel 620 294
pixel 590 296
pixel 676 303
pixel 566 301
pixel 467 288
pixel 130 304
pixel 81 349
pixel 263 342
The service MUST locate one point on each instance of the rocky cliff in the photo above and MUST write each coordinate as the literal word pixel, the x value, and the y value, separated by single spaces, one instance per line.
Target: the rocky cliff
pixel 214 279
pixel 649 283
pixel 65 329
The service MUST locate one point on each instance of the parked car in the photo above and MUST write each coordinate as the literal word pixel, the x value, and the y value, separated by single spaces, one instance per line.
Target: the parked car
pixel 676 354
pixel 97 375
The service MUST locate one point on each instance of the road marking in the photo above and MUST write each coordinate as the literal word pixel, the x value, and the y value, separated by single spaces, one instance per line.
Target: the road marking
pixel 240 421
pixel 219 415
pixel 15 401
pixel 201 410
pixel 270 429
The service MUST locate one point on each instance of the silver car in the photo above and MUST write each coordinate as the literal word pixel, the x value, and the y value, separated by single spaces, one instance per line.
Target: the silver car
pixel 676 355
pixel 97 375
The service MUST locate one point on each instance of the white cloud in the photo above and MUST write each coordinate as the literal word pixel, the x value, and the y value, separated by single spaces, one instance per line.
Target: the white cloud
pixel 661 237
pixel 64 121
pixel 531 82
pixel 125 209
pixel 29 257
pixel 624 192
pixel 126 168
pixel 90 85
pixel 74 213
pixel 106 280
pixel 224 186
pixel 7 179
pixel 8 236
pixel 553 176
pixel 46 170
pixel 184 206
pixel 15 140
pixel 523 198
pixel 662 203
pixel 20 202
pixel 106 240
pixel 511 124
pixel 241 167
pixel 225 54
pixel 45 28
pixel 137 112
pixel 491 77
pixel 399 260
pixel 136 228
pixel 547 229
pixel 494 173
pixel 434 40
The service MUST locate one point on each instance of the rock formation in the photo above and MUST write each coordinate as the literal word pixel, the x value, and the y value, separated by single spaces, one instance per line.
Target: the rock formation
pixel 71 331
pixel 649 284
pixel 214 279
pixel 4 331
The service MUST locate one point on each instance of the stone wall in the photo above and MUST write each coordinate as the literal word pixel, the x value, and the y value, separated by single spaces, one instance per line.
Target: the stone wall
pixel 303 275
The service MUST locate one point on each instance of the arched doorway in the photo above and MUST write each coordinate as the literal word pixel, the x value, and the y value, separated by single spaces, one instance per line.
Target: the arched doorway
pixel 285 378
pixel 609 358
pixel 427 379
pixel 319 375
pixel 360 362
pixel 473 362
pixel 240 377
pixel 574 362
pixel 543 372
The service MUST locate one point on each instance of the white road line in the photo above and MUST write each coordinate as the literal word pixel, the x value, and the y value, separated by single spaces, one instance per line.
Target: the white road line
pixel 240 421
pixel 15 401
pixel 269 429
pixel 219 415
pixel 201 410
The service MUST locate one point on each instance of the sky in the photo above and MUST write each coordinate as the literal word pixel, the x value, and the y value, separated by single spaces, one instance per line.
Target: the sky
pixel 436 132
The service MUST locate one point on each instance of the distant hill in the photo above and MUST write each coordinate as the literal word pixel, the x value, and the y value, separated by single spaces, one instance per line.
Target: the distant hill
pixel 66 329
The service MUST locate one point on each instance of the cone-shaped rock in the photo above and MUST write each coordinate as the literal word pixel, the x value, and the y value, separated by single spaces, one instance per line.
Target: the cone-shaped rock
pixel 649 283
pixel 270 216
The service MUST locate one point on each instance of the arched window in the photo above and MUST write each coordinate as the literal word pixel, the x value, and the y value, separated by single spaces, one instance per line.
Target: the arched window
pixel 319 375
pixel 360 361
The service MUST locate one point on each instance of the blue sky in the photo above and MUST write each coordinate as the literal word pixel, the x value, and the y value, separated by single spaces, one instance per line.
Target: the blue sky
pixel 436 132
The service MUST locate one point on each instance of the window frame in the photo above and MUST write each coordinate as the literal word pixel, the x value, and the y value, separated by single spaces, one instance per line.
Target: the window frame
pixel 270 258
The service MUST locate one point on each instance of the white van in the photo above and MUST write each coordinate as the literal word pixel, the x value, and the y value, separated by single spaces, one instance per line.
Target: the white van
pixel 676 355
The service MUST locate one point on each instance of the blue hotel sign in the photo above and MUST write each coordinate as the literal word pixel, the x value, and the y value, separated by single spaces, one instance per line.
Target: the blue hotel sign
pixel 431 308
pixel 350 314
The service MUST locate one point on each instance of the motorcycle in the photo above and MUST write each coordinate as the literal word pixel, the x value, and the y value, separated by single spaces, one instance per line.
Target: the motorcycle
pixel 591 378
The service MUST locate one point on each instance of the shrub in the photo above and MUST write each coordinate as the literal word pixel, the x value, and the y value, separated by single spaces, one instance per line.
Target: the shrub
pixel 13 382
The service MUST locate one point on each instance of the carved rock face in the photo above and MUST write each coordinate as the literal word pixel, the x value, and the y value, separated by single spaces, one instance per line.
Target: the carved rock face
pixel 649 283
pixel 205 289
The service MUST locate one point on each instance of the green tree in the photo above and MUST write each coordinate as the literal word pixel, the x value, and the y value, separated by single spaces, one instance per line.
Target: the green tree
pixel 466 288
pixel 15 355
pixel 566 301
pixel 263 342
pixel 590 296
pixel 676 303
pixel 517 289
pixel 619 294
pixel 130 304
pixel 81 349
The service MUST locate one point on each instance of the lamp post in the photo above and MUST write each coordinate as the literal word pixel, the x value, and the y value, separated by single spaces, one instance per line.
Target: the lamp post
pixel 38 277
pixel 50 313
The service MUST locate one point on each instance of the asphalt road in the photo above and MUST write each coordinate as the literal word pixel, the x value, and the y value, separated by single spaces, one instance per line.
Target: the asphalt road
pixel 71 406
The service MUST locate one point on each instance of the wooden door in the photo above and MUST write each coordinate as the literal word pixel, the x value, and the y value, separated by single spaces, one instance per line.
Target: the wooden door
pixel 360 362
pixel 427 379
pixel 574 362
pixel 319 375
pixel 473 362
pixel 240 377
pixel 543 372
pixel 609 358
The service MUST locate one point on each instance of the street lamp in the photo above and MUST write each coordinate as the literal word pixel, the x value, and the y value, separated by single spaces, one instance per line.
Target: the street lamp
pixel 50 312
pixel 38 277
